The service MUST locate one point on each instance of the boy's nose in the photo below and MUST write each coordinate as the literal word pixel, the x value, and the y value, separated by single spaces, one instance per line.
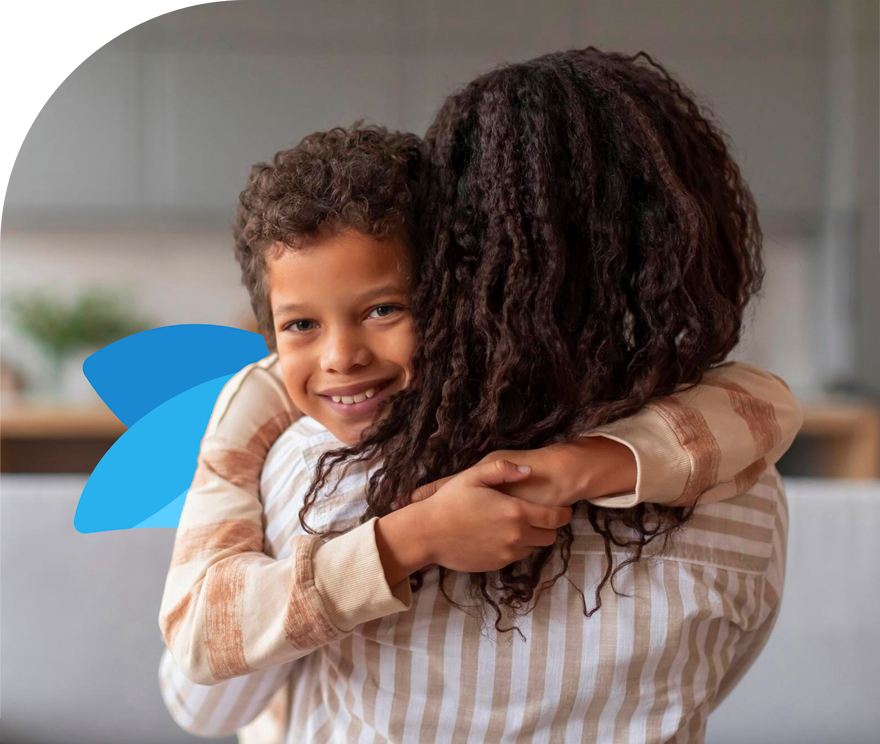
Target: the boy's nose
pixel 343 353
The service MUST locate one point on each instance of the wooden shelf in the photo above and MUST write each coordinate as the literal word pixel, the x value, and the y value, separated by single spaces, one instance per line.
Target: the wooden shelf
pixel 43 438
pixel 31 421
pixel 849 433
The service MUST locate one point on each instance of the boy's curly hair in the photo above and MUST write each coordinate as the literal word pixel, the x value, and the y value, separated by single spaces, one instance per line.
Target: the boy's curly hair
pixel 361 178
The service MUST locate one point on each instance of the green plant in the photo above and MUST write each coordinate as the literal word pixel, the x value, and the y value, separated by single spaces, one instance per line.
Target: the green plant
pixel 96 318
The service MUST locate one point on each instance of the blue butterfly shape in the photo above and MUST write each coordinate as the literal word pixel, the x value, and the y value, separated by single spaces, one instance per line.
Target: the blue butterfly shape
pixel 162 384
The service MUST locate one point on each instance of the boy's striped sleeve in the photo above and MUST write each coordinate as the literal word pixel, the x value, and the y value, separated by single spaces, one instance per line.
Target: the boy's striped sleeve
pixel 228 609
pixel 223 708
pixel 708 443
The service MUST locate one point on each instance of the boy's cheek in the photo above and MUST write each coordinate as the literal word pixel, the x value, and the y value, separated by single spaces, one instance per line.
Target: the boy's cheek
pixel 292 376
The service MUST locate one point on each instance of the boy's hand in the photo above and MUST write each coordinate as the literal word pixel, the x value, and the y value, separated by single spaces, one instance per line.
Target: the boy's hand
pixel 429 489
pixel 563 474
pixel 472 527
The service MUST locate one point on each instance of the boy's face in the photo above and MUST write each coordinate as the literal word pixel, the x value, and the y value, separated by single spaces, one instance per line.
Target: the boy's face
pixel 344 332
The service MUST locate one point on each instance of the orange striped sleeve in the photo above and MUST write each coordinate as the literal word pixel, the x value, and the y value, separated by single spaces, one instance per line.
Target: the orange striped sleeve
pixel 710 442
pixel 228 609
pixel 222 709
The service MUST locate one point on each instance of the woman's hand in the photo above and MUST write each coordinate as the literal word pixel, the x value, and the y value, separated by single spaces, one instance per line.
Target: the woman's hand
pixel 472 527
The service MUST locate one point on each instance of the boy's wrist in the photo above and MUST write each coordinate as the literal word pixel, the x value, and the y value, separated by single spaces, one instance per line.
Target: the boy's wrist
pixel 403 543
pixel 612 467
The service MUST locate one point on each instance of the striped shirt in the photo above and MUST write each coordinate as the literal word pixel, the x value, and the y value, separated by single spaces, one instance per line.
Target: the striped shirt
pixel 648 666
pixel 231 606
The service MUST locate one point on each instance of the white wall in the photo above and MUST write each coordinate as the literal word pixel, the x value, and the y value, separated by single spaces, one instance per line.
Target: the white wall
pixel 189 276
pixel 172 277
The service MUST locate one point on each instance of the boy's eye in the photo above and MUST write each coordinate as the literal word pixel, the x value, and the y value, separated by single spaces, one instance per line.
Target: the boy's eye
pixel 383 311
pixel 300 326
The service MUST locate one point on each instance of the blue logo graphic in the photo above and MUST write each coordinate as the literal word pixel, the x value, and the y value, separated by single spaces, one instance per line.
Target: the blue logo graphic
pixel 162 384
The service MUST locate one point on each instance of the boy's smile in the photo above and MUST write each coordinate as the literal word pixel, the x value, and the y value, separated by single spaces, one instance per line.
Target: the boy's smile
pixel 354 400
pixel 343 327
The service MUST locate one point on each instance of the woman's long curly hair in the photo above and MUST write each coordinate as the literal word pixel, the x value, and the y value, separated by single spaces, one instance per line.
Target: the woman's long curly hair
pixel 588 244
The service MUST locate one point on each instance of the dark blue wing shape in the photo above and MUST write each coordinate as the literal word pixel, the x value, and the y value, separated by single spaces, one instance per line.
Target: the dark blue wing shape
pixel 138 373
pixel 163 385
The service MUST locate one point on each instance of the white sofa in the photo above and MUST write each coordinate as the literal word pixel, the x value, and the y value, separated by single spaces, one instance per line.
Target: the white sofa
pixel 817 680
pixel 81 646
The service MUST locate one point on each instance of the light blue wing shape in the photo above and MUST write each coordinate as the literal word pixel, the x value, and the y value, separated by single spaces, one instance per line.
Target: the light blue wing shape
pixel 168 516
pixel 136 374
pixel 162 384
pixel 150 466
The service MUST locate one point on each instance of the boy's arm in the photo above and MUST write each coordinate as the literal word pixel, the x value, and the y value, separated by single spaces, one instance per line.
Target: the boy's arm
pixel 221 709
pixel 227 608
pixel 709 443
pixel 308 600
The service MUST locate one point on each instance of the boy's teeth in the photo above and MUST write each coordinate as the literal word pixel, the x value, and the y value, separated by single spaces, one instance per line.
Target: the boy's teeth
pixel 349 399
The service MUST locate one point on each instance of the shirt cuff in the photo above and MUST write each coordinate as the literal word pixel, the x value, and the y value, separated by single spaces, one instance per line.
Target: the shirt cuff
pixel 663 466
pixel 350 579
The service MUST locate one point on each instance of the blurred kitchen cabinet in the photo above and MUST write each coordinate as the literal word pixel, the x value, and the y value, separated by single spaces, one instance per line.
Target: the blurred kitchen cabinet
pixel 210 116
pixel 162 124
pixel 328 26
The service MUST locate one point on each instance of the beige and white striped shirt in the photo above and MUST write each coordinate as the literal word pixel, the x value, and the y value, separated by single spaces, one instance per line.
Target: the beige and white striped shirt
pixel 647 667
pixel 229 609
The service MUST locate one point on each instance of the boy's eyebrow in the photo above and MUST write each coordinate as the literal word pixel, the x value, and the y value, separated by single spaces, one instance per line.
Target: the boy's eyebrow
pixel 380 291
pixel 386 289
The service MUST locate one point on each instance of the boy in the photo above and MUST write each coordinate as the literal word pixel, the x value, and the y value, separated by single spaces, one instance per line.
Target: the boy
pixel 324 238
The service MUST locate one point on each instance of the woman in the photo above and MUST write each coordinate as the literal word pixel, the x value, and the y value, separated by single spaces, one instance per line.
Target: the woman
pixel 594 248
pixel 594 245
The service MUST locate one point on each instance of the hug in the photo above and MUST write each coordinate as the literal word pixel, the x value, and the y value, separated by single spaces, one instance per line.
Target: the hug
pixel 496 480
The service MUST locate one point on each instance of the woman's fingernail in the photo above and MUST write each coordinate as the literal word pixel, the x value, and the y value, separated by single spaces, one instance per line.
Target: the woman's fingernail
pixel 523 468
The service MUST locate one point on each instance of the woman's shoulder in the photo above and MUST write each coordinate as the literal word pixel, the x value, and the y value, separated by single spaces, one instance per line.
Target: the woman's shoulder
pixel 743 533
pixel 739 533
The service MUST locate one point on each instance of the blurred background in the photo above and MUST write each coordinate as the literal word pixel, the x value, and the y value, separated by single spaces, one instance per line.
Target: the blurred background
pixel 126 185
pixel 127 129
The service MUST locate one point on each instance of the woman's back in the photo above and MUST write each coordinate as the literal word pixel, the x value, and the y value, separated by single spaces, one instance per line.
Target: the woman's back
pixel 645 667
